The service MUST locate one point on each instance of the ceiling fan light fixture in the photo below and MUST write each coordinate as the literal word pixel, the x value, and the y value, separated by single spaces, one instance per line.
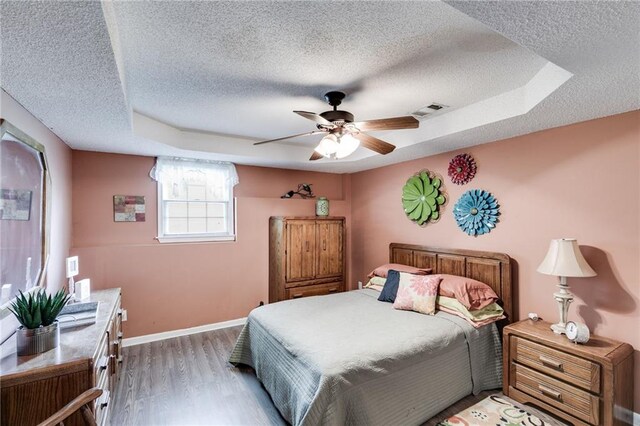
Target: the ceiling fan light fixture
pixel 347 145
pixel 328 146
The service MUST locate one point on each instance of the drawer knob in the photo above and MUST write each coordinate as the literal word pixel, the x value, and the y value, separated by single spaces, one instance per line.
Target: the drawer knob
pixel 550 392
pixel 551 363
pixel 104 400
pixel 103 363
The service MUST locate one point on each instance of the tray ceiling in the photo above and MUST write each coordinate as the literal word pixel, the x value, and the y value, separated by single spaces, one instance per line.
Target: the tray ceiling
pixel 207 79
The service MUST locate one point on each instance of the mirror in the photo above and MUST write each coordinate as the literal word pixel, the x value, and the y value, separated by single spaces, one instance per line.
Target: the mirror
pixel 24 216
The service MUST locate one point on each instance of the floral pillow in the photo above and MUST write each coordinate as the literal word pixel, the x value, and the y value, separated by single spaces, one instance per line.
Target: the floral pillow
pixel 417 293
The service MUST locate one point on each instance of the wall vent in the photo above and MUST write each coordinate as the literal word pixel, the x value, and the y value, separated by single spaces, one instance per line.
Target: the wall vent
pixel 429 110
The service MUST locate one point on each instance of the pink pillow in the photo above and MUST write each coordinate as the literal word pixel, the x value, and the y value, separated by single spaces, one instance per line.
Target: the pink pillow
pixel 471 293
pixel 382 271
pixel 417 293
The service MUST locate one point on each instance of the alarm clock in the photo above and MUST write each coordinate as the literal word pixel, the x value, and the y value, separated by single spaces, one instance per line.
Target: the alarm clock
pixel 577 332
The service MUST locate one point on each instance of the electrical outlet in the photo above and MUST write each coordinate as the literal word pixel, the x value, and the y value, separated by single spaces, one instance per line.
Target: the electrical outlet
pixel 124 315
pixel 359 285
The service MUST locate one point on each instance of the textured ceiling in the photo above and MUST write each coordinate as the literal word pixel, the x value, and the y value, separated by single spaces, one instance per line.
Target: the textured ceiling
pixel 222 73
pixel 242 70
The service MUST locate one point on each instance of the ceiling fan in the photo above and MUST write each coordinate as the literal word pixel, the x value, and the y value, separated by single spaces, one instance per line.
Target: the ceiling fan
pixel 343 135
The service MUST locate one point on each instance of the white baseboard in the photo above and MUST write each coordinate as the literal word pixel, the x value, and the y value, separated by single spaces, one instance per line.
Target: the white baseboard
pixel 626 415
pixel 148 338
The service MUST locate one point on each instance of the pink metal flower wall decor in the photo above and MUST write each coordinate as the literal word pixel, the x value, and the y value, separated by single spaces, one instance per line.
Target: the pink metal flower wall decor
pixel 462 168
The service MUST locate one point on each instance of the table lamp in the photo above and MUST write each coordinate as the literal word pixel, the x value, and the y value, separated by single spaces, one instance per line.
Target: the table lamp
pixel 563 260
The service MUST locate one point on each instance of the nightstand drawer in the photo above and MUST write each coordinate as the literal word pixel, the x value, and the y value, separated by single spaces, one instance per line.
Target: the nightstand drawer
pixel 567 398
pixel 561 365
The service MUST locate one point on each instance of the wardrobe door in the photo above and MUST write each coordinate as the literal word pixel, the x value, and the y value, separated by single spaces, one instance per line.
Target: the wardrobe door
pixel 301 244
pixel 329 247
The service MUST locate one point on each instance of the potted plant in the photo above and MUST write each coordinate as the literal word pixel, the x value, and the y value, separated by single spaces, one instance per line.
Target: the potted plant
pixel 37 312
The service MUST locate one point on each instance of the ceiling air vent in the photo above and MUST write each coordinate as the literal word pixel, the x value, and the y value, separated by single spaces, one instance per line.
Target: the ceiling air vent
pixel 429 110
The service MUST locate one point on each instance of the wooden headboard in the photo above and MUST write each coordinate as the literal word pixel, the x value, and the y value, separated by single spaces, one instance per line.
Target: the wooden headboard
pixel 491 268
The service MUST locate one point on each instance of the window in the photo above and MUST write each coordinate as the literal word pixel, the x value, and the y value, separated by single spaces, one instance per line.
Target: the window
pixel 195 200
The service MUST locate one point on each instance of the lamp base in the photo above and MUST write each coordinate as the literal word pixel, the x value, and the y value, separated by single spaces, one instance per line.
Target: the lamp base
pixel 564 299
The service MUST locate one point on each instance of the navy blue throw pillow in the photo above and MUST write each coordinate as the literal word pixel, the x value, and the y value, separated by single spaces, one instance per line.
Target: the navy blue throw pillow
pixel 390 289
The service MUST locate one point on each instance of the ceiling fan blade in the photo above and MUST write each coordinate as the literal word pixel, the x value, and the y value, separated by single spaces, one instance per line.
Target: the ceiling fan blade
pixel 396 123
pixel 315 156
pixel 315 132
pixel 374 144
pixel 313 117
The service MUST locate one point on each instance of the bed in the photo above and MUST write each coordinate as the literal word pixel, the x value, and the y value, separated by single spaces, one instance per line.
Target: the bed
pixel 349 359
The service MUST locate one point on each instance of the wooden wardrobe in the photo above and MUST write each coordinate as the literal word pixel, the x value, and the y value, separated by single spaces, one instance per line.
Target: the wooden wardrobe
pixel 306 257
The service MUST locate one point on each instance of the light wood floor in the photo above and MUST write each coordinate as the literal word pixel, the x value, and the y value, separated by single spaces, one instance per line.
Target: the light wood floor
pixel 188 381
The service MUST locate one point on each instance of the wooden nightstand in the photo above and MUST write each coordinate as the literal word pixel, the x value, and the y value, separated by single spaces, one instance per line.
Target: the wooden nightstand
pixel 582 384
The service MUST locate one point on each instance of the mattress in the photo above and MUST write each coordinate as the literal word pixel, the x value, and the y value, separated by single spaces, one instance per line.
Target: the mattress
pixel 347 359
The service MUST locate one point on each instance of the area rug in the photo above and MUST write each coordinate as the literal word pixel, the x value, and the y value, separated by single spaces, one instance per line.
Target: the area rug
pixel 493 410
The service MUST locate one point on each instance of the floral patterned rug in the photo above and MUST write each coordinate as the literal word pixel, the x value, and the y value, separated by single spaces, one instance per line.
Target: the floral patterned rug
pixel 493 410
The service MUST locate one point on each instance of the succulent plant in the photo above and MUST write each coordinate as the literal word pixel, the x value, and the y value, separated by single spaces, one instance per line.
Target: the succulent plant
pixel 38 309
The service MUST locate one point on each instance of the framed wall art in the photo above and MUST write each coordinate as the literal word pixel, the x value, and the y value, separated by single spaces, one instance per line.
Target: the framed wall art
pixel 128 208
pixel 15 204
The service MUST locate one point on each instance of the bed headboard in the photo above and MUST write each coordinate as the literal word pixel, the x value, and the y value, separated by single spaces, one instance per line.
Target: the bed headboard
pixel 491 268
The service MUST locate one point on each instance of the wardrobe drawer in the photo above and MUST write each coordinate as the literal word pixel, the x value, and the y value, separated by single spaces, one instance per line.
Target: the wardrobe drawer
pixel 570 399
pixel 570 368
pixel 314 290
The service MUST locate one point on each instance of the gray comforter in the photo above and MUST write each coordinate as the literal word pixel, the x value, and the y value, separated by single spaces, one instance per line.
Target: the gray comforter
pixel 350 359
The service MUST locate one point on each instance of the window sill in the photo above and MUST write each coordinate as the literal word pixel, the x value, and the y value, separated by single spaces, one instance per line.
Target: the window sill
pixel 188 239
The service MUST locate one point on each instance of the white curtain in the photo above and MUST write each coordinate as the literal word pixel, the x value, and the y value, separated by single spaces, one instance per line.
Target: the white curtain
pixel 179 176
pixel 176 169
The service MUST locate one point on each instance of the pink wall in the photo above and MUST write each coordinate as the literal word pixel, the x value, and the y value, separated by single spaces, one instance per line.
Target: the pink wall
pixel 577 181
pixel 172 286
pixel 59 160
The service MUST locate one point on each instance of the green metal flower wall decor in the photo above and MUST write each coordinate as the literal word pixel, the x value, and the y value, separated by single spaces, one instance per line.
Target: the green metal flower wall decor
pixel 422 197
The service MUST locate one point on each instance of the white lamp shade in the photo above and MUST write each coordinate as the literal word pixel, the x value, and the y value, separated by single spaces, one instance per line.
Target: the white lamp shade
pixel 348 145
pixel 328 145
pixel 564 259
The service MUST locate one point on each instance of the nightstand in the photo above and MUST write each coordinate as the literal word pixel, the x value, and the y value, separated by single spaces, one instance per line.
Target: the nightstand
pixel 590 384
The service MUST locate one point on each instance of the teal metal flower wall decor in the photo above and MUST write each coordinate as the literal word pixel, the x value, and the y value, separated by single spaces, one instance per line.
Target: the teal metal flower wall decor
pixel 476 212
pixel 422 197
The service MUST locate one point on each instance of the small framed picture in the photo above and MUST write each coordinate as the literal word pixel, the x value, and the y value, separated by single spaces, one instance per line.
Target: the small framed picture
pixel 73 267
pixel 128 208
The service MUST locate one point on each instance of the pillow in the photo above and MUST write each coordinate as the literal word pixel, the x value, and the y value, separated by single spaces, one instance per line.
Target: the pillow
pixel 382 271
pixel 390 289
pixel 475 324
pixel 376 283
pixel 488 312
pixel 471 293
pixel 417 293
